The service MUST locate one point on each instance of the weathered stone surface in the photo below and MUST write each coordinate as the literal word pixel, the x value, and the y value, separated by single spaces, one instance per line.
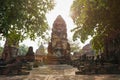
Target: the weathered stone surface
pixel 40 50
pixel 10 50
pixel 54 72
pixel 30 54
pixel 40 54
pixel 59 46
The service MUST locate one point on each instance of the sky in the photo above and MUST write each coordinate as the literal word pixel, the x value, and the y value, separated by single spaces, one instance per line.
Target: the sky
pixel 62 7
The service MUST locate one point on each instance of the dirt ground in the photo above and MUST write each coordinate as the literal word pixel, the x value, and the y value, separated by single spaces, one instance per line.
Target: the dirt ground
pixel 58 72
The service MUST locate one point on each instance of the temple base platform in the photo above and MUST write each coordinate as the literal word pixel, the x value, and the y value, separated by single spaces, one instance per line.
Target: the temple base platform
pixel 55 60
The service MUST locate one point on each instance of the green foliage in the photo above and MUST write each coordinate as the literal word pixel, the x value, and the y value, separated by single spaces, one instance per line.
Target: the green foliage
pixel 96 18
pixel 24 18
pixel 23 49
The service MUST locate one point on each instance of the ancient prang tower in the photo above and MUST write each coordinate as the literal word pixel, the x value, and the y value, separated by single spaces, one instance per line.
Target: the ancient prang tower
pixel 59 48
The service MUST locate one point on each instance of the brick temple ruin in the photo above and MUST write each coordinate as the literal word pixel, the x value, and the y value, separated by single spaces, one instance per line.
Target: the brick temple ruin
pixel 58 48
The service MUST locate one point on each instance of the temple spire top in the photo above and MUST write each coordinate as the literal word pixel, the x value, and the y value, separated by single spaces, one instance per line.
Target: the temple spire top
pixel 59 21
pixel 59 17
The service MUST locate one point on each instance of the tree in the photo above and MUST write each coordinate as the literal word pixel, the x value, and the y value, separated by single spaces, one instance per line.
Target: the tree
pixel 20 19
pixel 23 49
pixel 1 50
pixel 74 47
pixel 24 17
pixel 99 19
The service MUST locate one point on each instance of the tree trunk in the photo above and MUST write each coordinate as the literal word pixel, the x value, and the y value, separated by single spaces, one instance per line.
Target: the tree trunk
pixel 10 50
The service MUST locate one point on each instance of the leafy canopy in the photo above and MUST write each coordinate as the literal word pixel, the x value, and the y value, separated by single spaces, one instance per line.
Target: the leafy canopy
pixel 23 18
pixel 96 18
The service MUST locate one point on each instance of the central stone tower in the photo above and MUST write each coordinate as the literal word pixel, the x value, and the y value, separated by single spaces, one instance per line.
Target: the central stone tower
pixel 59 48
